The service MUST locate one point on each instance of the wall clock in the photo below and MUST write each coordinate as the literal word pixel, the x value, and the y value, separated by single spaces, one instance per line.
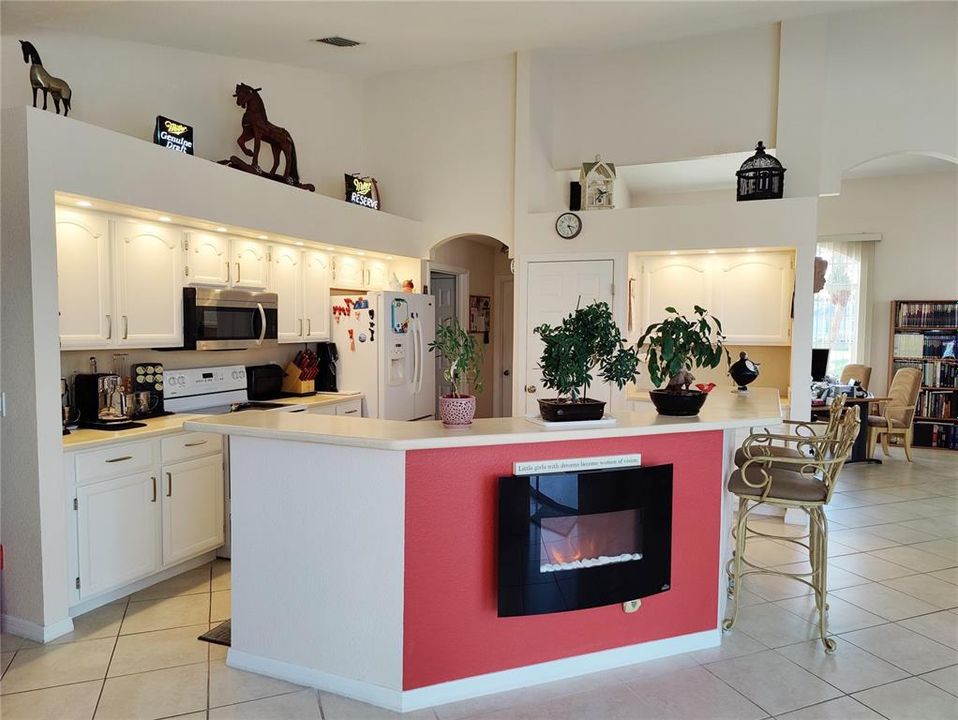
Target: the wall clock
pixel 568 225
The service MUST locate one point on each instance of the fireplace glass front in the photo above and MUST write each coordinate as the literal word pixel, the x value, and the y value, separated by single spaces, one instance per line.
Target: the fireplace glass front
pixel 569 541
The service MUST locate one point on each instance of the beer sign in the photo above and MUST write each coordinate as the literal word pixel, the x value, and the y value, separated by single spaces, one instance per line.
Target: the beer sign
pixel 362 191
pixel 173 135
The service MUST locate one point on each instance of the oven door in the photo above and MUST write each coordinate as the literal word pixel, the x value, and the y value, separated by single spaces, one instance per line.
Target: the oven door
pixel 228 319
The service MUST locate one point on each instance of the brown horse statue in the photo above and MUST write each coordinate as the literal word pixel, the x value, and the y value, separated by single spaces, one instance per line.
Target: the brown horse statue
pixel 40 79
pixel 258 128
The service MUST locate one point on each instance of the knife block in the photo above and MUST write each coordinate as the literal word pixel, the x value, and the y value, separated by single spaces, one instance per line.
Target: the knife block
pixel 293 385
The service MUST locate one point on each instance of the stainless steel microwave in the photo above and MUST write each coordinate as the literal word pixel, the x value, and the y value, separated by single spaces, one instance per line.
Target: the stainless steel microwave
pixel 228 319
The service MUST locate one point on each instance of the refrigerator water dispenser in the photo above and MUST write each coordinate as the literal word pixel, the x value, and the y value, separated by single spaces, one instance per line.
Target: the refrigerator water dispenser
pixel 397 364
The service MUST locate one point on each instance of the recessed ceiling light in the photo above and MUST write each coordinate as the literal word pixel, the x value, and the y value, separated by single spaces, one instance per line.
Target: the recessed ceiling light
pixel 84 203
pixel 299 243
pixel 263 237
pixel 165 218
pixel 712 252
pixel 360 252
pixel 751 249
pixel 330 247
pixel 221 229
pixel 389 257
pixel 674 252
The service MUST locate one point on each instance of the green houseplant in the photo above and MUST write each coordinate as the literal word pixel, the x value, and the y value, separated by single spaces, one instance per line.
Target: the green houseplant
pixel 462 369
pixel 586 341
pixel 676 345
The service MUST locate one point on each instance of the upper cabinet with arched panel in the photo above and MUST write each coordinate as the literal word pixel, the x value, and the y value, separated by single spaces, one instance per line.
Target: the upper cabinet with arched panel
pixel 679 281
pixel 208 259
pixel 148 283
pixel 250 264
pixel 83 279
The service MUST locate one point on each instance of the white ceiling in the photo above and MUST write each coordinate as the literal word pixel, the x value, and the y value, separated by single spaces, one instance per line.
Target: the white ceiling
pixel 398 35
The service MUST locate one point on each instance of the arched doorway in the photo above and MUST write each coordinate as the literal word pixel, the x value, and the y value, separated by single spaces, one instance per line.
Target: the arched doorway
pixel 470 277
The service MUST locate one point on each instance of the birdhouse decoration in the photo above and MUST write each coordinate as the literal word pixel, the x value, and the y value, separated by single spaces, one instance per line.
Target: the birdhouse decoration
pixel 596 180
pixel 761 177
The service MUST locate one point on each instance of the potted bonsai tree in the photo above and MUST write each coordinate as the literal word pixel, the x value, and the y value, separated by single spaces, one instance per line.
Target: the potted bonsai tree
pixel 676 345
pixel 462 369
pixel 585 341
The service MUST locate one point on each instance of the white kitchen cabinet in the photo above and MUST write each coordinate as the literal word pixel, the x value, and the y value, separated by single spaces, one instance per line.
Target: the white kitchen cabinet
pixel 192 508
pixel 83 279
pixel 316 295
pixel 118 532
pixel 750 292
pixel 348 272
pixel 208 259
pixel 377 274
pixel 250 264
pixel 322 410
pixel 148 272
pixel 753 297
pixel 286 280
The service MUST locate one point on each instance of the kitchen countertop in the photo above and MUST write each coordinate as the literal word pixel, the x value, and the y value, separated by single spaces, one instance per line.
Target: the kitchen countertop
pixel 722 410
pixel 85 438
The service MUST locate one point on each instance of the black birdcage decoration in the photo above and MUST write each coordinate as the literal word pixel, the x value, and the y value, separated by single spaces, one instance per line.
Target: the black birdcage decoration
pixel 761 177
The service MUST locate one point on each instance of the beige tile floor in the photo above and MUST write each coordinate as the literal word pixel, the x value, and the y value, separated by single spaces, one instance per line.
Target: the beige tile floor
pixel 894 610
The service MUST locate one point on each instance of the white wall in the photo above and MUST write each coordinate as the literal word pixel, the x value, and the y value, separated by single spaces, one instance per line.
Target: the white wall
pixel 123 86
pixel 917 257
pixel 696 96
pixel 441 142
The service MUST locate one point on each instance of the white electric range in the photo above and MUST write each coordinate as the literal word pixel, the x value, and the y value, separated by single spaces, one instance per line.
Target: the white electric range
pixel 216 391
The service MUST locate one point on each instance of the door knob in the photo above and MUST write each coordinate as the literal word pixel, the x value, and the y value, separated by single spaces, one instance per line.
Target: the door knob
pixel 507 373
pixel 530 389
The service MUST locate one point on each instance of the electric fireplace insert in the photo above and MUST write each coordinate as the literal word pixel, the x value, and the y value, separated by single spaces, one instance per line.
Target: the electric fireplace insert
pixel 577 540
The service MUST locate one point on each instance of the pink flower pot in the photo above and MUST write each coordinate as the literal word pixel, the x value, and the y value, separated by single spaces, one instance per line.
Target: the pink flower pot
pixel 457 412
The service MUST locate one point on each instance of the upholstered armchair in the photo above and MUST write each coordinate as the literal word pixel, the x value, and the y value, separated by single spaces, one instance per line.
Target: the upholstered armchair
pixel 855 371
pixel 895 416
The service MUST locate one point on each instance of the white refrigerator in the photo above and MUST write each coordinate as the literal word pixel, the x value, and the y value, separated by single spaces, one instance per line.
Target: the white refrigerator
pixel 383 340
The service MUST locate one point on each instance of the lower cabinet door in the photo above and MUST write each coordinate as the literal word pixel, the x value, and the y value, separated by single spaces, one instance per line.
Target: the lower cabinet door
pixel 192 508
pixel 118 532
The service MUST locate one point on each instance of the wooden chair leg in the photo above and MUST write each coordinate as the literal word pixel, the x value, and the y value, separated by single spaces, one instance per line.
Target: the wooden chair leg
pixel 907 444
pixel 884 444
pixel 872 441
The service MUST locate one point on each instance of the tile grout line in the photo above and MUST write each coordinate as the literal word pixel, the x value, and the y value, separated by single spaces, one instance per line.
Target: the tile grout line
pixel 106 672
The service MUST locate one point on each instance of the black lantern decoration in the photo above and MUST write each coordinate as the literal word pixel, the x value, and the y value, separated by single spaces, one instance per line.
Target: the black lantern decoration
pixel 743 372
pixel 761 177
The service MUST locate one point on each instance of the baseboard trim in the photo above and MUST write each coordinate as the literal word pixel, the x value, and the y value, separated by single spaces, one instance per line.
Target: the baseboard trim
pixel 34 631
pixel 478 685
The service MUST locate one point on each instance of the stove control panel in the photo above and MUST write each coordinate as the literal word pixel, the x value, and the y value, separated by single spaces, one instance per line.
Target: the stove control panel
pixel 204 381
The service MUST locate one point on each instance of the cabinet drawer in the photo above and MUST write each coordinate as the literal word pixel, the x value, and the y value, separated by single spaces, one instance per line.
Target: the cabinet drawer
pixel 190 445
pixel 115 461
pixel 353 408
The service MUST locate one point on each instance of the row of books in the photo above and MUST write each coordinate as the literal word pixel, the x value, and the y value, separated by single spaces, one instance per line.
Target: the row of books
pixel 927 314
pixel 937 404
pixel 936 435
pixel 934 373
pixel 930 344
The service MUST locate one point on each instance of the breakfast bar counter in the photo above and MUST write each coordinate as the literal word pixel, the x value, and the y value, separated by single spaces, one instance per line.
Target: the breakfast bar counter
pixel 409 565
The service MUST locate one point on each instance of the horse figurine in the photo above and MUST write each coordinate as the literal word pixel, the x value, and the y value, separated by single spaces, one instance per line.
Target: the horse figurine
pixel 40 79
pixel 258 128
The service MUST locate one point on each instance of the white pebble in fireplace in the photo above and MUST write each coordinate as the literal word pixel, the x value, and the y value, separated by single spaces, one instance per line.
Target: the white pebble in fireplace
pixel 589 562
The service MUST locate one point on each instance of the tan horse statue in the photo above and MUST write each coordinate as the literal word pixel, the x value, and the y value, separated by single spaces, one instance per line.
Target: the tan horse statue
pixel 40 79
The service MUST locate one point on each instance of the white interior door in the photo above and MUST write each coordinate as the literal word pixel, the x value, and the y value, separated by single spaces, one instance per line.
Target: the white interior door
pixel 554 291
pixel 442 286
pixel 504 346
pixel 83 280
pixel 286 280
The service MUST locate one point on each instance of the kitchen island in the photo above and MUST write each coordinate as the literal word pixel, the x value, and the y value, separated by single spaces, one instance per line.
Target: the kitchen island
pixel 369 561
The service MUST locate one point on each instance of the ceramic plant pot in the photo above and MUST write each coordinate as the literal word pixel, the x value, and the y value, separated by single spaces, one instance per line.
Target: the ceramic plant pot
pixel 681 403
pixel 562 410
pixel 457 412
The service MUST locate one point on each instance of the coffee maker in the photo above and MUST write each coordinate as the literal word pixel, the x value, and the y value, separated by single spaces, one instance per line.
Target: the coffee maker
pixel 328 356
pixel 103 402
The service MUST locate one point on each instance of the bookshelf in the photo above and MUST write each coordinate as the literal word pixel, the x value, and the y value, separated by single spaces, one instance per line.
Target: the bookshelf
pixel 924 335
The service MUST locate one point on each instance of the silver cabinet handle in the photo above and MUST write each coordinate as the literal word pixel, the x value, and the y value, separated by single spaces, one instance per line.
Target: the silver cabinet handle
pixel 194 444
pixel 237 273
pixel 126 327
pixel 309 327
pixel 300 331
pixel 300 410
pixel 350 412
pixel 169 484
pixel 229 272
pixel 153 478
pixel 120 459
pixel 109 327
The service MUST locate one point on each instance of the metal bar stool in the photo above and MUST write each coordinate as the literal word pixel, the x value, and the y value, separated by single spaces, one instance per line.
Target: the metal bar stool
pixel 804 478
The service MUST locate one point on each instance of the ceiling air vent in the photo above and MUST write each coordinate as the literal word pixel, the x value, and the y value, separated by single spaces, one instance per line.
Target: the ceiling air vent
pixel 337 41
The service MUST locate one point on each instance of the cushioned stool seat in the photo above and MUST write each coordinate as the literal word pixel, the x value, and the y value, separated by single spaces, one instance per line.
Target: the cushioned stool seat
pixel 763 450
pixel 788 485
pixel 880 421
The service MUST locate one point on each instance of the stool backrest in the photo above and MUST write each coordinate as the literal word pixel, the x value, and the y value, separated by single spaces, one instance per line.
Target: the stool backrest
pixel 846 431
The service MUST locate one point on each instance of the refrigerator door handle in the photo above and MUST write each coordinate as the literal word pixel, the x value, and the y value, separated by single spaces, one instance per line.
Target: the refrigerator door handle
pixel 419 352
